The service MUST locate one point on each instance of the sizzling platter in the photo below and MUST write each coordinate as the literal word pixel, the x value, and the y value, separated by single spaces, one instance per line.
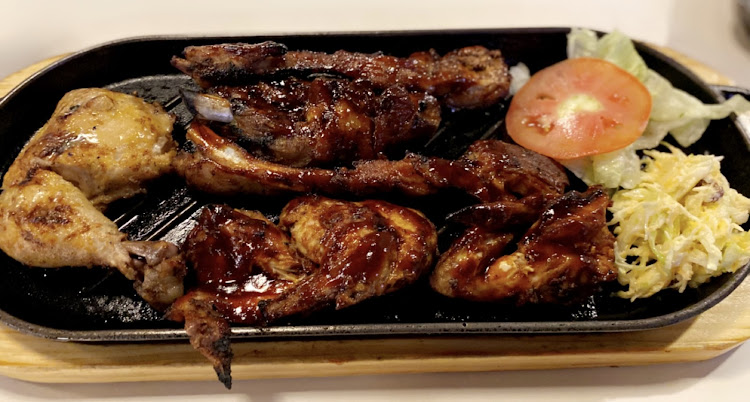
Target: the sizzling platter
pixel 84 304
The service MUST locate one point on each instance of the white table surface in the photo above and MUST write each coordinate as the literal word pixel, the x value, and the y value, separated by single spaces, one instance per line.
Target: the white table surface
pixel 708 31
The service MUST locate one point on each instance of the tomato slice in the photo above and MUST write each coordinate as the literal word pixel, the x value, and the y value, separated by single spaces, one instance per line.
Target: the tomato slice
pixel 579 107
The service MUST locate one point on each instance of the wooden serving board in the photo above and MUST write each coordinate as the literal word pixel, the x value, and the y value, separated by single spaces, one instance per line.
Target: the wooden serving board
pixel 714 332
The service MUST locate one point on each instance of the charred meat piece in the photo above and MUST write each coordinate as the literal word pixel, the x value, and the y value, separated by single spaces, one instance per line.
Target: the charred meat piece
pixel 323 121
pixel 97 147
pixel 490 170
pixel 323 252
pixel 230 63
pixel 220 166
pixel 208 331
pixel 372 107
pixel 469 77
pixel 565 256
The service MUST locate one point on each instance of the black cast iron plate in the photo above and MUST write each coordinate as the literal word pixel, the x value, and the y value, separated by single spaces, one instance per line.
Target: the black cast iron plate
pixel 97 305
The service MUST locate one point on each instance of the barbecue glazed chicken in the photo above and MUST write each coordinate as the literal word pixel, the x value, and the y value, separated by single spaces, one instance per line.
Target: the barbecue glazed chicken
pixel 322 252
pixel 469 77
pixel 565 256
pixel 490 170
pixel 565 252
pixel 366 107
pixel 98 146
pixel 323 121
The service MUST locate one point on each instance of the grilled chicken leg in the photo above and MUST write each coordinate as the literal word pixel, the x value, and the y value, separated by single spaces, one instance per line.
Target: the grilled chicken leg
pixel 97 147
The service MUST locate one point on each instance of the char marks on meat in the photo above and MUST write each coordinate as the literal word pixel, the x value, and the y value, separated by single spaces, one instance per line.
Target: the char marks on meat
pixel 366 107
pixel 327 121
pixel 464 78
pixel 230 63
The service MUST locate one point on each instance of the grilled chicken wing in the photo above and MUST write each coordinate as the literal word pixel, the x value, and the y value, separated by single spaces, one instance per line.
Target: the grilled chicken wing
pixel 241 260
pixel 364 249
pixel 97 147
pixel 565 256
pixel 323 121
pixel 464 78
pixel 490 170
pixel 323 252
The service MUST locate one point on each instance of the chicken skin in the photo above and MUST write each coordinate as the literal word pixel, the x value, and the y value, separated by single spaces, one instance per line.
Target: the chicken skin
pixel 106 143
pixel 323 252
pixel 364 249
pixel 42 220
pixel 565 256
pixel 97 147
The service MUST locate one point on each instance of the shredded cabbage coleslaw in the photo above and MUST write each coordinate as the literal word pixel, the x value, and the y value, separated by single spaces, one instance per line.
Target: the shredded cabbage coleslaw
pixel 679 226
pixel 675 217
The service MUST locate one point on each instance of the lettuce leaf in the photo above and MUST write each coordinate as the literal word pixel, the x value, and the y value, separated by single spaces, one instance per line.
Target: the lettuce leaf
pixel 519 76
pixel 673 111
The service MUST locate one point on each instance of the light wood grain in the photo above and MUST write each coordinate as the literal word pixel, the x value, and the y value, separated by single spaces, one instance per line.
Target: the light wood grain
pixel 11 81
pixel 717 331
pixel 706 73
